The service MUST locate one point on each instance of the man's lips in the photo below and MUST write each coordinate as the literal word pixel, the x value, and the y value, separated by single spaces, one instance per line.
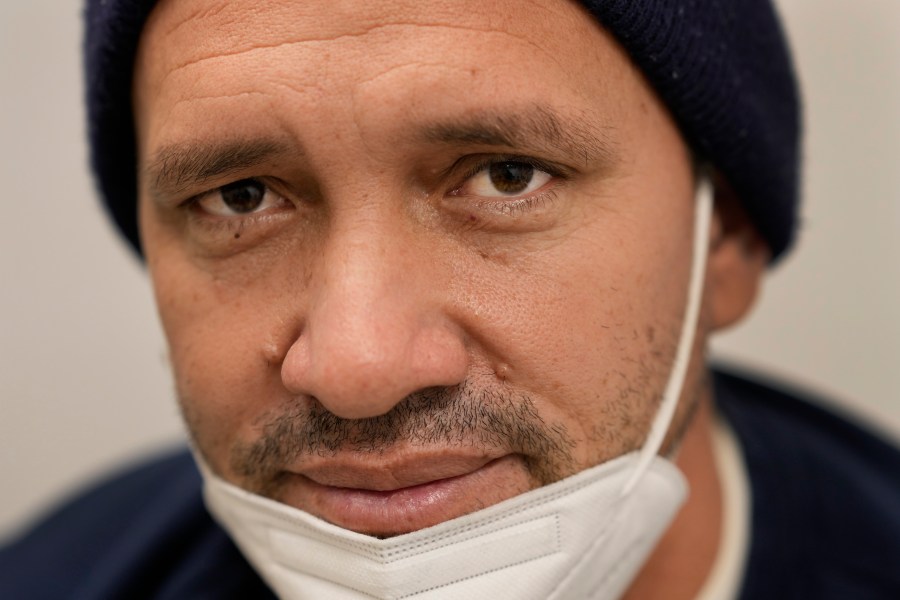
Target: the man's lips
pixel 382 475
pixel 391 498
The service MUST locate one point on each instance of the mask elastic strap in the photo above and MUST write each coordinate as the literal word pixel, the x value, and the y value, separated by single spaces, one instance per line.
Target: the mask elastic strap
pixel 663 419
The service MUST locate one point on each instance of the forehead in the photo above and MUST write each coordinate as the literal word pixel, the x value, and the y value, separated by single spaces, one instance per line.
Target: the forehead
pixel 209 28
pixel 393 58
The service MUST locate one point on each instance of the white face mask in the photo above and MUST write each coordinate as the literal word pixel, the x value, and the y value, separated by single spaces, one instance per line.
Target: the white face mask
pixel 585 536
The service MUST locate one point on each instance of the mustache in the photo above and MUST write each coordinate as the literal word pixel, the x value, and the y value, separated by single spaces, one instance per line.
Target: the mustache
pixel 456 416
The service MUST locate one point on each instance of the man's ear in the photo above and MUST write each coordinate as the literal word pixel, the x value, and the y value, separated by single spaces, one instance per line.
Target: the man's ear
pixel 738 256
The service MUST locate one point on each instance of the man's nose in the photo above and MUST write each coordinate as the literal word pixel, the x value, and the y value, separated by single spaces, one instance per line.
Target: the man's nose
pixel 377 327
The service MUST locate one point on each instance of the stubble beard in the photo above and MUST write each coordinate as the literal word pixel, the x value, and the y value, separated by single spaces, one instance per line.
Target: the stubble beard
pixel 484 416
pixel 489 421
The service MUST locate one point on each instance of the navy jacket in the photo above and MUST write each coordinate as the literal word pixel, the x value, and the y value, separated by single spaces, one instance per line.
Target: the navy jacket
pixel 825 519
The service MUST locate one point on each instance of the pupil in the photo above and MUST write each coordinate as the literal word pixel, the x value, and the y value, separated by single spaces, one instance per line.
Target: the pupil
pixel 243 196
pixel 511 177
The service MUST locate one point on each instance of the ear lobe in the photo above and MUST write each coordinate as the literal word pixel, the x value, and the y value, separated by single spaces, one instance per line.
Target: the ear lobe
pixel 738 256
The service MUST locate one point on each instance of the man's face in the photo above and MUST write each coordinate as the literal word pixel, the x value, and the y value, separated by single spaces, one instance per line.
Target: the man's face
pixel 411 258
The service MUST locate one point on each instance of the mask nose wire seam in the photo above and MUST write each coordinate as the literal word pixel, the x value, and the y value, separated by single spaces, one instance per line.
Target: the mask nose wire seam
pixel 663 419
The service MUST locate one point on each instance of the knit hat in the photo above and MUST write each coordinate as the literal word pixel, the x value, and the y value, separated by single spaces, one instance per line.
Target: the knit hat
pixel 721 66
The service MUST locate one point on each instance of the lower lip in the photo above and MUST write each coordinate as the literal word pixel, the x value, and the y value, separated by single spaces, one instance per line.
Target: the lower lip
pixel 394 512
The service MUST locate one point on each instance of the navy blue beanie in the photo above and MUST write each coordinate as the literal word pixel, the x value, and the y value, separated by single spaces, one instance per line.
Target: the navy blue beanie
pixel 721 66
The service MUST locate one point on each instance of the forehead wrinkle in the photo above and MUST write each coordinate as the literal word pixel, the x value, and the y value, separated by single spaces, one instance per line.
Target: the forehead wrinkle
pixel 365 31
pixel 259 46
pixel 197 14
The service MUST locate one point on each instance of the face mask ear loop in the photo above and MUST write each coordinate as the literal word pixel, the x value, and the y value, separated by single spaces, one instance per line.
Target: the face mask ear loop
pixel 663 419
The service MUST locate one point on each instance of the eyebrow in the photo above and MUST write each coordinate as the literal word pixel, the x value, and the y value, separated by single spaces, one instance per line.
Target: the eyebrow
pixel 178 166
pixel 536 127
pixel 175 167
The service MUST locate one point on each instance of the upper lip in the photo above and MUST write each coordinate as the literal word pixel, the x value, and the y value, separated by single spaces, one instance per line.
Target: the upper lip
pixel 382 473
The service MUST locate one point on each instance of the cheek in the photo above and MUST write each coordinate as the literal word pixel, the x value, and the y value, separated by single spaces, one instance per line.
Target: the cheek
pixel 221 329
pixel 588 326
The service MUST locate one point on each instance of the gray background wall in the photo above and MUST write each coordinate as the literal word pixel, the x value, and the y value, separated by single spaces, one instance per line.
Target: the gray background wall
pixel 83 378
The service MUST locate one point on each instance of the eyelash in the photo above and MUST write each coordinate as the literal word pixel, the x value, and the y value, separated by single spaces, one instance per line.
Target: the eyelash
pixel 512 206
pixel 522 205
pixel 216 225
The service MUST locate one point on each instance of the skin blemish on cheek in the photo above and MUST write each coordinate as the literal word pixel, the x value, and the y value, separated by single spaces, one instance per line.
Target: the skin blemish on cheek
pixel 272 356
pixel 240 230
pixel 492 255
pixel 503 371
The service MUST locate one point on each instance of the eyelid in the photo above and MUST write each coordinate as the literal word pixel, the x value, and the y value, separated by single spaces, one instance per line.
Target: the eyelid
pixel 221 234
pixel 485 161
pixel 194 202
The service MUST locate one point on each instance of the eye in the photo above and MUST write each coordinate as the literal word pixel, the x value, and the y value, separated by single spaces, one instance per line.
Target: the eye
pixel 242 197
pixel 506 178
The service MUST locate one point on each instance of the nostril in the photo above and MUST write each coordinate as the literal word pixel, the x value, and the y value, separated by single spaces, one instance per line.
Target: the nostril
pixel 364 380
